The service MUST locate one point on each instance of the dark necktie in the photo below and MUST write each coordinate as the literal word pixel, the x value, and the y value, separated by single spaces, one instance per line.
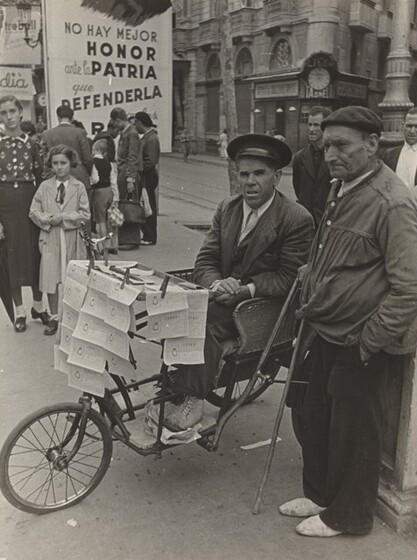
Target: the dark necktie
pixel 60 195
pixel 250 223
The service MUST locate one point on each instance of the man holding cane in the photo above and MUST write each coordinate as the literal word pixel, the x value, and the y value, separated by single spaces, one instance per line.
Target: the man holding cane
pixel 360 297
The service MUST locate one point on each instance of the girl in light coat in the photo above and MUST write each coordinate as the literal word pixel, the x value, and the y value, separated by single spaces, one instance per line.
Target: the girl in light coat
pixel 59 207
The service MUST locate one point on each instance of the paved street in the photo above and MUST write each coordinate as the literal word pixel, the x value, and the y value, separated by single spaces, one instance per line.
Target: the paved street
pixel 199 184
pixel 191 504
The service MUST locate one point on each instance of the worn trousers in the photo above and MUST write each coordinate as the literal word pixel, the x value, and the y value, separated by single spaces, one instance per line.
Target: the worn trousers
pixel 341 432
pixel 198 380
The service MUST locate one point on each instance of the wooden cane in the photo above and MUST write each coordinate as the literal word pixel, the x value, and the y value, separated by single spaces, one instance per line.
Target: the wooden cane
pixel 294 362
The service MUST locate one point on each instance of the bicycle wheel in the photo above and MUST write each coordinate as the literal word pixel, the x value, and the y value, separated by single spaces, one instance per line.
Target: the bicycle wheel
pixel 35 474
pixel 216 396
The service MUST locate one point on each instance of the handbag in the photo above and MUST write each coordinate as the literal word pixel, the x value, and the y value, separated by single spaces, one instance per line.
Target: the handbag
pixel 144 200
pixel 132 211
pixel 115 217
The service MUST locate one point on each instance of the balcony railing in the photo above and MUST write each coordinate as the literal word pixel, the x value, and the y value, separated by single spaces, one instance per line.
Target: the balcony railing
pixel 180 39
pixel 277 12
pixel 209 31
pixel 243 21
pixel 363 16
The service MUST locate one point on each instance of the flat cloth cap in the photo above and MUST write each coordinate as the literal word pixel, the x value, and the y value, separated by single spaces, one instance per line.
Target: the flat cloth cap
pixel 260 146
pixel 360 118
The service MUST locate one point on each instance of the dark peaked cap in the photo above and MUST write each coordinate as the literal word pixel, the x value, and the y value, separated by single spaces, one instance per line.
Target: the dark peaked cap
pixel 144 118
pixel 260 146
pixel 360 118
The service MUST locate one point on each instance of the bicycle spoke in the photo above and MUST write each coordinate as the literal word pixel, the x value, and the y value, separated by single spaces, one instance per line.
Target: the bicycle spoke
pixel 80 472
pixel 85 455
pixel 41 449
pixel 86 464
pixel 40 488
pixel 34 450
pixel 25 469
pixel 37 469
pixel 70 479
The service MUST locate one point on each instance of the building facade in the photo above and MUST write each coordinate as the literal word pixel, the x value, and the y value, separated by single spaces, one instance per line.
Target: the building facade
pixel 288 56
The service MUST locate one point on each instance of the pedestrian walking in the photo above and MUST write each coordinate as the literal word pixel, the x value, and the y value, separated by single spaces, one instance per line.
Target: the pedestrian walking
pixel 222 143
pixel 151 152
pixel 185 144
pixel 311 177
pixel 59 207
pixel 359 296
pixel 20 173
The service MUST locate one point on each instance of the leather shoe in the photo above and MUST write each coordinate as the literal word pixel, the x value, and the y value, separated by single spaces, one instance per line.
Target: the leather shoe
pixel 315 527
pixel 20 324
pixel 43 316
pixel 300 507
pixel 51 327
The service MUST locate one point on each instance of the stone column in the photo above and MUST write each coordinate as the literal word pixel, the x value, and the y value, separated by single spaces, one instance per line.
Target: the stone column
pixel 396 101
pixel 397 497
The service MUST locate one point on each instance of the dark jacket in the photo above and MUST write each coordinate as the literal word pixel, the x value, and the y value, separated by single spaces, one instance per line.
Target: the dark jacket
pixel 312 193
pixel 279 246
pixel 104 170
pixel 361 281
pixel 151 152
pixel 75 138
pixel 391 157
pixel 129 153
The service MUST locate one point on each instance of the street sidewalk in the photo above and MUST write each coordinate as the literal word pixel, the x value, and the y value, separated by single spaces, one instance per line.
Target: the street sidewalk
pixel 212 160
pixel 187 506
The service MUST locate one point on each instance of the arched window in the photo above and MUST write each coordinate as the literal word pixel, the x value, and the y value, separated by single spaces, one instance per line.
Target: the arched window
pixel 213 68
pixel 244 63
pixel 281 55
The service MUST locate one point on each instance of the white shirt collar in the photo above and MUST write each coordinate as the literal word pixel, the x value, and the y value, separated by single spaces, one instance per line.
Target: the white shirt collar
pixel 57 183
pixel 410 147
pixel 261 210
pixel 347 186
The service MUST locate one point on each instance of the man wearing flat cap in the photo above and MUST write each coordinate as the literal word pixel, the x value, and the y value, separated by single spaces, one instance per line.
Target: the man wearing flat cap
pixel 359 295
pixel 257 242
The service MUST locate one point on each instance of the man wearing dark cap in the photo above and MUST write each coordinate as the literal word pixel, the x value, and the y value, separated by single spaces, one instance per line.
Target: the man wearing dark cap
pixel 257 242
pixel 150 157
pixel 359 295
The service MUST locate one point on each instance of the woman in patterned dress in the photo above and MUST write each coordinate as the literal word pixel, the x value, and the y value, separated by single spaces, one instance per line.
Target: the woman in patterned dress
pixel 20 175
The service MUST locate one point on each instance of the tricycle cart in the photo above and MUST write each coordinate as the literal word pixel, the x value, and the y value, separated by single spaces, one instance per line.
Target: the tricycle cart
pixel 58 455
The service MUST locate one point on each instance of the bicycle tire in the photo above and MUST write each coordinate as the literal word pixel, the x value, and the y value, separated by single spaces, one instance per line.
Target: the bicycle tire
pixel 31 457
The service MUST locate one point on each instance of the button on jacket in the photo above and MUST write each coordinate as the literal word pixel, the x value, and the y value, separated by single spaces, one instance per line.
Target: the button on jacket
pixel 361 280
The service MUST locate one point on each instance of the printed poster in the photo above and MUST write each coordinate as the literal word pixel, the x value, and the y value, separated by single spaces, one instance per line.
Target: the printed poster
pixel 96 63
